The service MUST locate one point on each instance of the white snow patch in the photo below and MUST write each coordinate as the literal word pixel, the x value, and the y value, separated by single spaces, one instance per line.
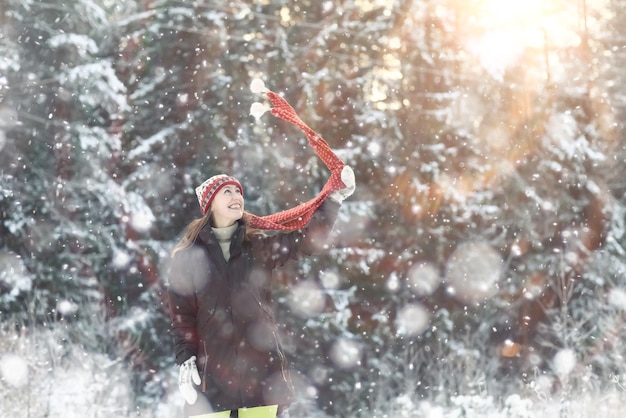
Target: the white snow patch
pixel 141 221
pixel 8 117
pixel 121 259
pixel 13 275
pixel 564 362
pixel 617 298
pixel 330 279
pixel 81 42
pixel 66 307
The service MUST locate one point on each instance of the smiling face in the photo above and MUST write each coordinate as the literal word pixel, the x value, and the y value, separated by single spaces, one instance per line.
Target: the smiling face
pixel 227 206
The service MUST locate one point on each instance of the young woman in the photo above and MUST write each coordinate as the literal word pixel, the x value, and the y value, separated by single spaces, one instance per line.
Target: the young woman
pixel 225 333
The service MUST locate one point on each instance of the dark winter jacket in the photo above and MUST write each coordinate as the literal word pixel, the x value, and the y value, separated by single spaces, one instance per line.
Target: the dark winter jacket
pixel 221 311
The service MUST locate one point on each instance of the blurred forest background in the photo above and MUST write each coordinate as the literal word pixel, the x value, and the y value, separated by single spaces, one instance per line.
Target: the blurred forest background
pixel 478 270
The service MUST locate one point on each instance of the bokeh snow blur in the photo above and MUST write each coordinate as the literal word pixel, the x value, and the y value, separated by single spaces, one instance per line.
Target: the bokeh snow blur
pixel 14 370
pixel 306 298
pixel 473 271
pixel 412 319
pixel 423 278
pixel 345 353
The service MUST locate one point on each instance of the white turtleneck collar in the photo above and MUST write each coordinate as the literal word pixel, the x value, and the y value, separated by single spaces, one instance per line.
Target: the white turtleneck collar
pixel 224 235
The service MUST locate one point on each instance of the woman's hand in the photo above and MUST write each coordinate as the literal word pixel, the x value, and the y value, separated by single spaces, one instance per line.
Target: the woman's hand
pixel 188 376
pixel 347 176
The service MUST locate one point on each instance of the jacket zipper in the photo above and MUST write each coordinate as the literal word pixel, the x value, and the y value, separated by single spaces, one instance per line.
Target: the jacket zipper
pixel 206 366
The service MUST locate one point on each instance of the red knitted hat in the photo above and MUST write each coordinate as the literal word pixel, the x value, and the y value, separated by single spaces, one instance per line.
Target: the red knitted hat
pixel 207 190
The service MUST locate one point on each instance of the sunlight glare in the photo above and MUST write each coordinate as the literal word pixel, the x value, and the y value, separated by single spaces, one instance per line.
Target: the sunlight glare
pixel 506 29
pixel 512 10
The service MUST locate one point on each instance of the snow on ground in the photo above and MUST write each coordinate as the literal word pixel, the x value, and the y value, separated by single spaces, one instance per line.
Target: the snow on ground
pixel 42 375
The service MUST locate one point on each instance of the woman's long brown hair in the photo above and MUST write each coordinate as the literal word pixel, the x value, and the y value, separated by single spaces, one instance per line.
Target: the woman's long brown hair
pixel 193 230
